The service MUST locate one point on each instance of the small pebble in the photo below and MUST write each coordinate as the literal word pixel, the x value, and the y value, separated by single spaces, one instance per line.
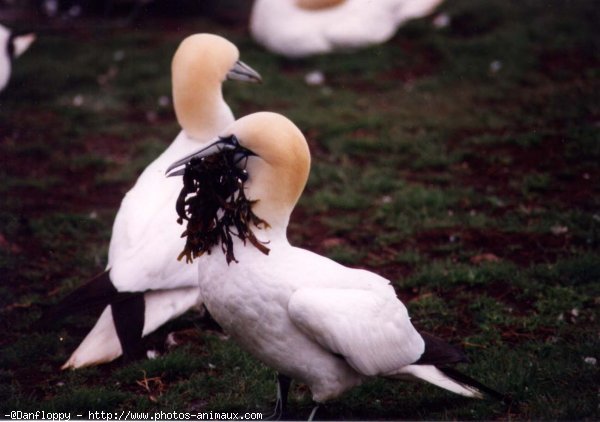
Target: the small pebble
pixel 118 55
pixel 495 66
pixel 558 230
pixel 50 7
pixel 164 101
pixel 78 100
pixel 151 116
pixel 75 11
pixel 316 77
pixel 441 21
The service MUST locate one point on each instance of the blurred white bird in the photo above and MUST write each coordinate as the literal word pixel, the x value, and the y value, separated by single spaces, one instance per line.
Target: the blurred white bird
pixel 300 28
pixel 308 317
pixel 11 47
pixel 144 283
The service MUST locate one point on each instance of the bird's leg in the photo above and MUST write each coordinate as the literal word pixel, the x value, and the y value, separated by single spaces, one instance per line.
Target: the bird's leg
pixel 128 315
pixel 283 388
pixel 313 412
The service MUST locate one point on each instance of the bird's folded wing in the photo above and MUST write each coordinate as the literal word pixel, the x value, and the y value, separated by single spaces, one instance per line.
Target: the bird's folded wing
pixel 371 330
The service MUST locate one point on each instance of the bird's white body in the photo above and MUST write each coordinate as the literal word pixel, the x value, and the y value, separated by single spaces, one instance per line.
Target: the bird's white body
pixel 146 238
pixel 297 311
pixel 19 45
pixel 294 29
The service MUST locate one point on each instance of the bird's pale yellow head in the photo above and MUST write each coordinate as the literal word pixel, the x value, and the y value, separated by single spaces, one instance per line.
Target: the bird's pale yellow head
pixel 200 65
pixel 279 166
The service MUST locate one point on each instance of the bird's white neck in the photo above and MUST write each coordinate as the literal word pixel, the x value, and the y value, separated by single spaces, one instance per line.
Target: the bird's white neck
pixel 202 117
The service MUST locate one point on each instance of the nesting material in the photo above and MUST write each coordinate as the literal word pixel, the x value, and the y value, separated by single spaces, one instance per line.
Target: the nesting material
pixel 214 204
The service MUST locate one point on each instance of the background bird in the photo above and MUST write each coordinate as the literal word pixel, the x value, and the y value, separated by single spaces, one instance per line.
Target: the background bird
pixel 308 317
pixel 144 283
pixel 300 28
pixel 11 46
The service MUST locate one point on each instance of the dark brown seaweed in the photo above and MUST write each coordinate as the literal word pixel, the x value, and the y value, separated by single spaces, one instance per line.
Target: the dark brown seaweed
pixel 214 204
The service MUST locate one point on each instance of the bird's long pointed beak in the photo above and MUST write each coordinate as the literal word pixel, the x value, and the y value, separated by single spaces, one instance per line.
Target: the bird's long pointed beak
pixel 242 72
pixel 215 147
pixel 22 43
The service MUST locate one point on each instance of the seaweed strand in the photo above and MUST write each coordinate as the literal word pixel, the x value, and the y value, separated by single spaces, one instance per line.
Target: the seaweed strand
pixel 214 204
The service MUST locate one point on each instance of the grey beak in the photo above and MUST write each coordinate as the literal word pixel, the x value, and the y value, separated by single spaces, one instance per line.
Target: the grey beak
pixel 242 72
pixel 215 147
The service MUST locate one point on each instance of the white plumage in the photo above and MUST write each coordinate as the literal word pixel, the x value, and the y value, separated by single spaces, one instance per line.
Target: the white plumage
pixel 11 47
pixel 146 240
pixel 300 28
pixel 337 316
pixel 304 315
pixel 296 311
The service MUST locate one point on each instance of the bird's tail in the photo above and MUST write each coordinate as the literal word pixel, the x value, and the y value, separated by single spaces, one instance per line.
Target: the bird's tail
pixel 435 376
pixel 473 384
pixel 101 345
pixel 432 367
pixel 449 379
pixel 102 342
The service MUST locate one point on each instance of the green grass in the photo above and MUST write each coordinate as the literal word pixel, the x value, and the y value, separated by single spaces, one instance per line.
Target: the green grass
pixel 474 191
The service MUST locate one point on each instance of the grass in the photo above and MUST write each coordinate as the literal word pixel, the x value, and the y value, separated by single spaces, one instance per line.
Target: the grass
pixel 460 163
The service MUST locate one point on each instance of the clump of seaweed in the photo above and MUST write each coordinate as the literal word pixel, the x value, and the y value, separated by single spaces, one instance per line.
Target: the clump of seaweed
pixel 214 204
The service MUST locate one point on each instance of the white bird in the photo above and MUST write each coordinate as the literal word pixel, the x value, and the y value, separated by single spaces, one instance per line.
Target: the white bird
pixel 300 28
pixel 308 317
pixel 11 47
pixel 144 283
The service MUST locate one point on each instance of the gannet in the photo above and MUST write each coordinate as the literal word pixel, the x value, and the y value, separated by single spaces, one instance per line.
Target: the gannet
pixel 300 28
pixel 144 283
pixel 304 315
pixel 11 47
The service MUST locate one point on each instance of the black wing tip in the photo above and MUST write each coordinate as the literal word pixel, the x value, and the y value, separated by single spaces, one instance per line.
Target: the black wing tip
pixel 438 352
pixel 98 291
